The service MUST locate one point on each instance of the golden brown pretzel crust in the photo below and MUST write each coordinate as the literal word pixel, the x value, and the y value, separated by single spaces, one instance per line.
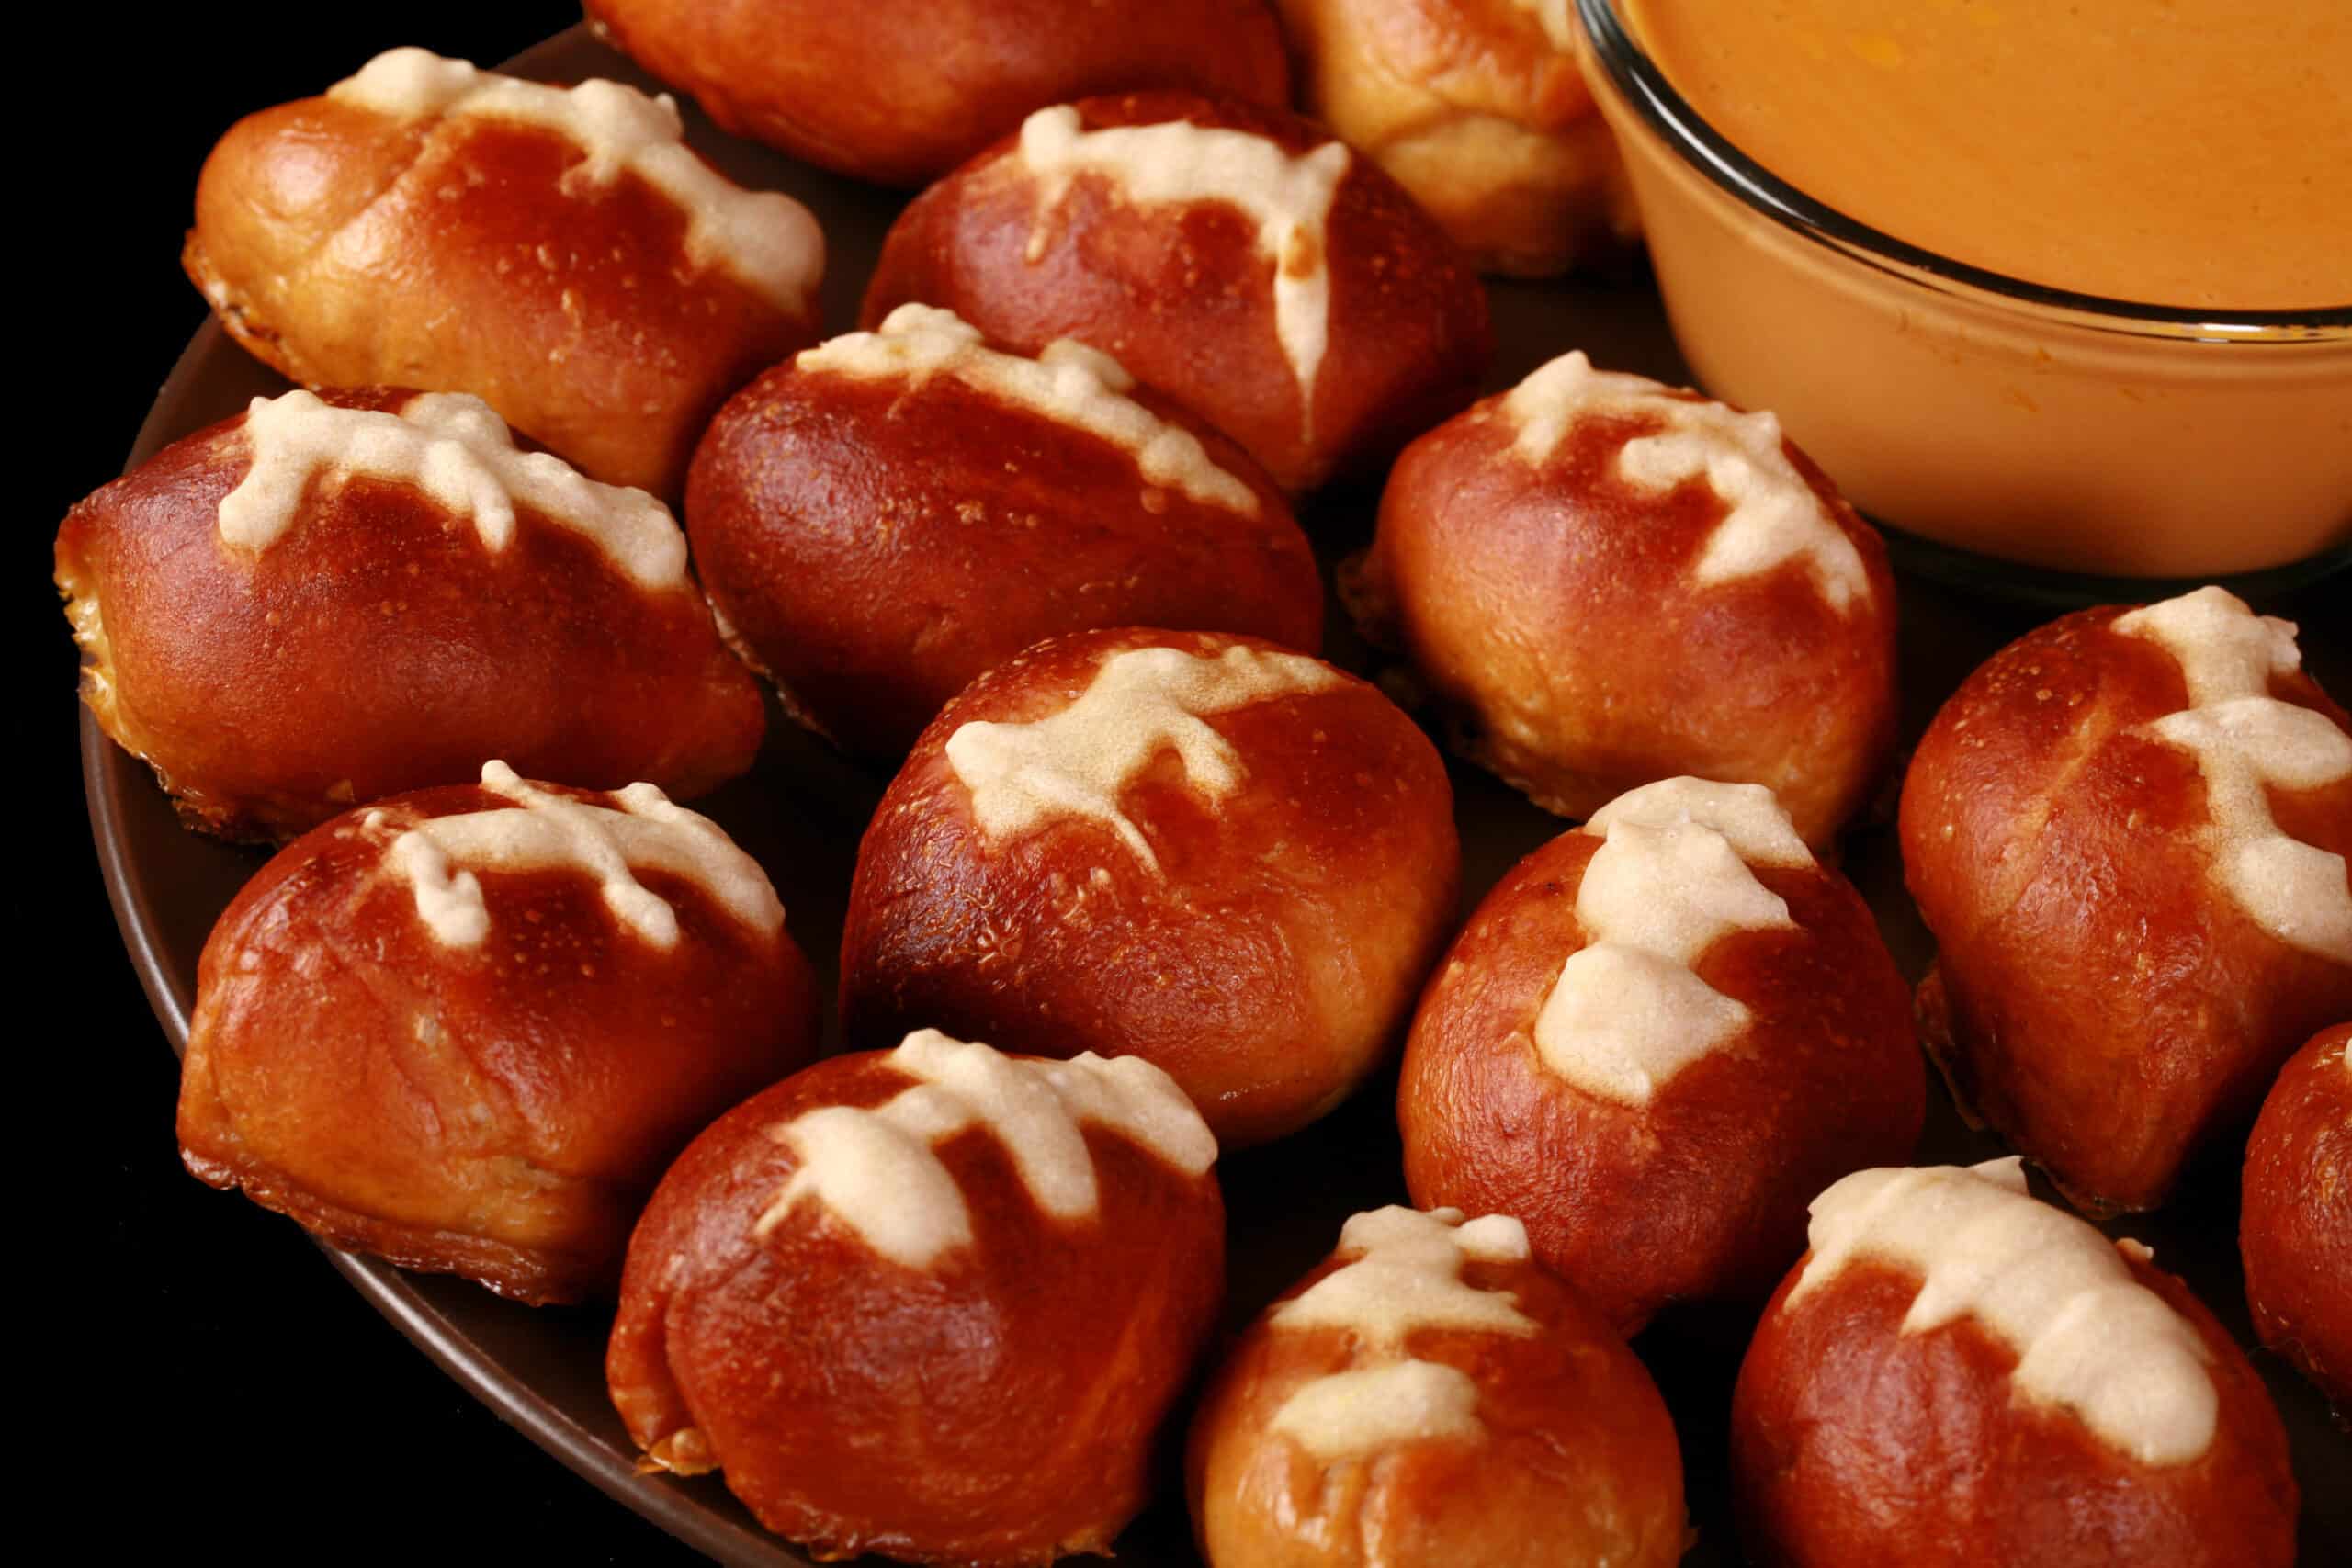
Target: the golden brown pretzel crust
pixel 902 91
pixel 875 545
pixel 1578 1463
pixel 2295 1216
pixel 1270 968
pixel 1475 111
pixel 500 1111
pixel 1702 1192
pixel 1183 297
pixel 379 646
pixel 343 247
pixel 1857 1446
pixel 1552 613
pixel 997 1408
pixel 2096 998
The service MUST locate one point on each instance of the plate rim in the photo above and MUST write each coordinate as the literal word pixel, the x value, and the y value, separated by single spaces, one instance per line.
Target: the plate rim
pixel 108 771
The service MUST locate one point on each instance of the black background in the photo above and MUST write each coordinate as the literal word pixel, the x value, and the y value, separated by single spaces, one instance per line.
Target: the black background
pixel 223 1390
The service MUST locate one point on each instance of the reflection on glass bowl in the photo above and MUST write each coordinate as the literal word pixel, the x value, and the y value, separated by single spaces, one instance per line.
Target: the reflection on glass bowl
pixel 2005 418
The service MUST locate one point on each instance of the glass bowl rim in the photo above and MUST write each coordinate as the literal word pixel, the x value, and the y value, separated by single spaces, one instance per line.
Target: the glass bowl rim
pixel 1640 82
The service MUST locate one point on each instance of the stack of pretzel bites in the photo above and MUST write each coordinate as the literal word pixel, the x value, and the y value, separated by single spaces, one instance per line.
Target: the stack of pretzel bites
pixel 574 476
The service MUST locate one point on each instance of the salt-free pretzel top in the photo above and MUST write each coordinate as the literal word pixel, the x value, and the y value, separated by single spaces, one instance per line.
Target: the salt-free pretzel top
pixel 902 91
pixel 1477 107
pixel 559 252
pixel 466 1027
pixel 1657 1038
pixel 2129 833
pixel 1603 581
pixel 884 516
pixel 1238 258
pixel 1233 860
pixel 931 1301
pixel 325 600
pixel 1958 1373
pixel 1432 1394
pixel 2295 1216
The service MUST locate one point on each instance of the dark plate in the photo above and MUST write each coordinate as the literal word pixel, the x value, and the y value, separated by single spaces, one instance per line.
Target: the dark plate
pixel 801 811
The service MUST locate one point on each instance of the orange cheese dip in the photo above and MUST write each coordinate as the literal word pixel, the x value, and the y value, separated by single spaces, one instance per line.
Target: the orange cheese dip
pixel 2184 152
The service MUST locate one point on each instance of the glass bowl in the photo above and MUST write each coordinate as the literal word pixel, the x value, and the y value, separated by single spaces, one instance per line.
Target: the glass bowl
pixel 2026 423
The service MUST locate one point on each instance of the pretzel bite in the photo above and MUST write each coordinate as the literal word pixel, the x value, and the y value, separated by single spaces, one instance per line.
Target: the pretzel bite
pixel 1233 860
pixel 1428 1397
pixel 1604 581
pixel 1957 1375
pixel 559 253
pixel 884 517
pixel 1656 1039
pixel 466 1028
pixel 322 600
pixel 1478 109
pixel 2295 1216
pixel 902 91
pixel 1238 259
pixel 932 1302
pixel 2127 833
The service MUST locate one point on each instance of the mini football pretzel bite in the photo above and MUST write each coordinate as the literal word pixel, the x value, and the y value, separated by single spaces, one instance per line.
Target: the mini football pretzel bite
pixel 1231 860
pixel 560 253
pixel 2295 1216
pixel 1603 582
pixel 466 1028
pixel 1238 259
pixel 1430 1398
pixel 933 1302
pixel 884 517
pixel 902 91
pixel 1959 1376
pixel 1656 1039
pixel 326 600
pixel 2129 833
pixel 1478 109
